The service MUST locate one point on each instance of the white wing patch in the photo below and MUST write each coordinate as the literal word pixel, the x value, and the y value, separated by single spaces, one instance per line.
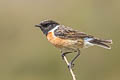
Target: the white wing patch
pixel 87 43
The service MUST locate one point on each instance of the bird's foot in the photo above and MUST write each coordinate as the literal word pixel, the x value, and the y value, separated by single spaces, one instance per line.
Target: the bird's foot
pixel 62 56
pixel 71 65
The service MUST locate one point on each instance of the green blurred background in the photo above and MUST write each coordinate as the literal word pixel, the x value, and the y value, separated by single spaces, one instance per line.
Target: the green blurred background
pixel 25 53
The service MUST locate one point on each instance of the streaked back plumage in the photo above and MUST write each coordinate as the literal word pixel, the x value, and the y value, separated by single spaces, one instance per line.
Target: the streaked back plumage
pixel 89 40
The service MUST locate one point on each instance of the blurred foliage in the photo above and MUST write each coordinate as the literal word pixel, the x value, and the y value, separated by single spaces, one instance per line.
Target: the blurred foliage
pixel 25 54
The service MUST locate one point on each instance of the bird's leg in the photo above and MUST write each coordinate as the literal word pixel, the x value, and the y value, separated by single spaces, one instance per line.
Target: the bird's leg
pixel 71 63
pixel 63 54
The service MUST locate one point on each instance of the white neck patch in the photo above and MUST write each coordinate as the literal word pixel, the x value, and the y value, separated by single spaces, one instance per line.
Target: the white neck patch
pixel 52 30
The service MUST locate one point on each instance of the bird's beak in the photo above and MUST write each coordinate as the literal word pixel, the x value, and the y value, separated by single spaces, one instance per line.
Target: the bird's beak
pixel 37 25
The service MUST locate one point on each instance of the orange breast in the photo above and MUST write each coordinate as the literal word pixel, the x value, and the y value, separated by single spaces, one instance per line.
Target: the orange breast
pixel 58 42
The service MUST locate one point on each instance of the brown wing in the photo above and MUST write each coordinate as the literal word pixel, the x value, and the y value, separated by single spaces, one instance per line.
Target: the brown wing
pixel 68 33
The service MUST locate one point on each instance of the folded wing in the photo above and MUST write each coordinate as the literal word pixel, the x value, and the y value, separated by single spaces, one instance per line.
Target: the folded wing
pixel 68 33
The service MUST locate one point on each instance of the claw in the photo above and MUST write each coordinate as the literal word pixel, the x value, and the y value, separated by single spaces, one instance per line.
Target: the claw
pixel 62 56
pixel 70 65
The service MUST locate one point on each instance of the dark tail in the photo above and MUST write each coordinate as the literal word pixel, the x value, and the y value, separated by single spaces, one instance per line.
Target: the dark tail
pixel 102 43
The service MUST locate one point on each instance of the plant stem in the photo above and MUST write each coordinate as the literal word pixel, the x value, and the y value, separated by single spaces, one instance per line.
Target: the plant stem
pixel 71 71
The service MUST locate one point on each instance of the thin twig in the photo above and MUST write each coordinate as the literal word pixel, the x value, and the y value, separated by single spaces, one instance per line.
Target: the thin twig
pixel 71 71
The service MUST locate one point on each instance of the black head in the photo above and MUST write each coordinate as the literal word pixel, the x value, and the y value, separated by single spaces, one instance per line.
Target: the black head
pixel 47 25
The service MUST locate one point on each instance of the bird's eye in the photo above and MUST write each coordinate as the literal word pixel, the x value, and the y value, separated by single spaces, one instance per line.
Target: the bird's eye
pixel 46 25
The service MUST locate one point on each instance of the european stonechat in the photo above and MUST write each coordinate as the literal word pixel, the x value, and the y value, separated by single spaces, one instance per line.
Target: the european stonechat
pixel 69 40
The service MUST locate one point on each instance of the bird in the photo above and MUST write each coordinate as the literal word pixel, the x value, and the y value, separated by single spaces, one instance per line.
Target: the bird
pixel 69 40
